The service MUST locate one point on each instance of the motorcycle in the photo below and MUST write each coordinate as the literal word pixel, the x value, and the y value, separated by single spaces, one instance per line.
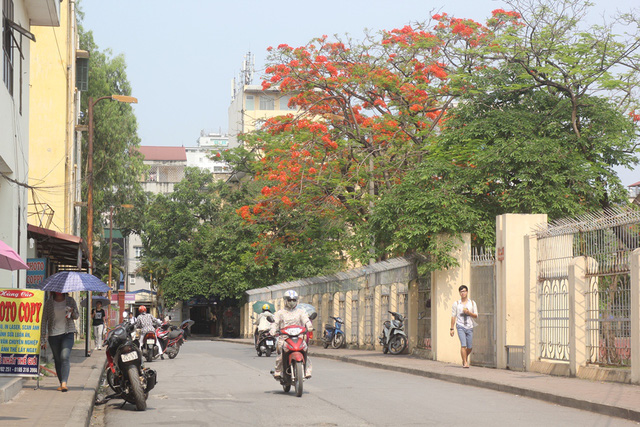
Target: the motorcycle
pixel 171 339
pixel 265 344
pixel 294 357
pixel 150 348
pixel 333 334
pixel 393 338
pixel 125 373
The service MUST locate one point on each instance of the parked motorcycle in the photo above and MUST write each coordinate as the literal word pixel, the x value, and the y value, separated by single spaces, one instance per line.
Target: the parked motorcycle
pixel 333 334
pixel 125 373
pixel 393 338
pixel 294 357
pixel 171 339
pixel 265 344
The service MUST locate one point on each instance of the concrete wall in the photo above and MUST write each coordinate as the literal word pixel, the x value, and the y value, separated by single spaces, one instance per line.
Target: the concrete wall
pixel 444 289
pixel 511 282
pixel 14 151
pixel 52 161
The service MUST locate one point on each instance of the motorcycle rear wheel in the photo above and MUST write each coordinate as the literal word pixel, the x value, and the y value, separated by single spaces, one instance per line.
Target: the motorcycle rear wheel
pixel 267 352
pixel 136 388
pixel 147 355
pixel 338 341
pixel 173 353
pixel 325 343
pixel 298 369
pixel 397 344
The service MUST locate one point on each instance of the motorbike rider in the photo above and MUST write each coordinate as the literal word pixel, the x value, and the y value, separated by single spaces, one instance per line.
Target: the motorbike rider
pixel 147 323
pixel 263 322
pixel 291 314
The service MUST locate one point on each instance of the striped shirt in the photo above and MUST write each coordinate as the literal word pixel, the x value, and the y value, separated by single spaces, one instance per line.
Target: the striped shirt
pixel 49 320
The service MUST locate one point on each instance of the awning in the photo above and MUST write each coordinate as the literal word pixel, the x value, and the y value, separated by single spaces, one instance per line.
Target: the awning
pixel 62 249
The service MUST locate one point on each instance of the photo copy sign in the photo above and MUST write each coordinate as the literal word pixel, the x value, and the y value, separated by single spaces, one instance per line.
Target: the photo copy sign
pixel 35 273
pixel 20 319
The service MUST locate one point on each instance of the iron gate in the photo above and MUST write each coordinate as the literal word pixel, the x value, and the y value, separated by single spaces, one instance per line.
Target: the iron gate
pixel 483 292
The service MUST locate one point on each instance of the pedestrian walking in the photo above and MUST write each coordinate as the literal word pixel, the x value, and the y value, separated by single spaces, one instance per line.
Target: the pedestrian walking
pixel 463 315
pixel 59 328
pixel 98 316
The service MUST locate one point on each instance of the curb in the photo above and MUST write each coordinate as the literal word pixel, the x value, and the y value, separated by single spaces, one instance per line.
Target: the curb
pixel 83 409
pixel 570 402
pixel 10 387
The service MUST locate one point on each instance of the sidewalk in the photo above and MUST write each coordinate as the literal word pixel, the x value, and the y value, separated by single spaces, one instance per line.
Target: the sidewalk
pixel 613 399
pixel 45 406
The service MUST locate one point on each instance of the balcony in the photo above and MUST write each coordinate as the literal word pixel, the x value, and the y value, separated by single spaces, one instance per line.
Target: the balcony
pixel 43 13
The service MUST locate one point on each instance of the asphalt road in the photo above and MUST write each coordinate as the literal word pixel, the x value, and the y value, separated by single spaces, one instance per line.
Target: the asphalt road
pixel 213 383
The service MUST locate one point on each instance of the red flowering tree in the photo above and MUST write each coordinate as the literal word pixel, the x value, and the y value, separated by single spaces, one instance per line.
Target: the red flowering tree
pixel 368 113
pixel 373 111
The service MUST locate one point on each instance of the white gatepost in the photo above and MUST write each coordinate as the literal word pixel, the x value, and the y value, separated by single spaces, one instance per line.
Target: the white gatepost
pixel 578 287
pixel 531 300
pixel 444 291
pixel 635 316
pixel 511 282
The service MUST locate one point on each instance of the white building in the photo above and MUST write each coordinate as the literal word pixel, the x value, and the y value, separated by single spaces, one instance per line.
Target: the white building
pixel 207 154
pixel 18 16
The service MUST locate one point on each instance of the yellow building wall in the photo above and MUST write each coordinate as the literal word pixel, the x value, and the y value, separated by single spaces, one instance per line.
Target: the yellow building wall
pixel 51 156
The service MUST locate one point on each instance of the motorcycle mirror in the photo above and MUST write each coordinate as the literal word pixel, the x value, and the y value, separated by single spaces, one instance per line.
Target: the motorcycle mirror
pixel 313 316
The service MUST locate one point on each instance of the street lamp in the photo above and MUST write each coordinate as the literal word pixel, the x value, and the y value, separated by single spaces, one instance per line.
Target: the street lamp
pixel 92 103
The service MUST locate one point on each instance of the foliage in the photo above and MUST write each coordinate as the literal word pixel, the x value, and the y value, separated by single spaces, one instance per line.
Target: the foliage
pixel 439 126
pixel 199 244
pixel 117 164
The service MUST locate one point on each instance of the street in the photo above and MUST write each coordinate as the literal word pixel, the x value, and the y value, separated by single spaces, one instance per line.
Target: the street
pixel 213 383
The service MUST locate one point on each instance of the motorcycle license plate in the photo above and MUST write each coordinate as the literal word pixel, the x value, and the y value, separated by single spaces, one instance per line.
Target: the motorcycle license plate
pixel 128 357
pixel 151 342
pixel 269 342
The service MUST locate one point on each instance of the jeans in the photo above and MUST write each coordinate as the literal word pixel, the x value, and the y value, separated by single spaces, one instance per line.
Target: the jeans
pixel 466 336
pixel 98 332
pixel 61 348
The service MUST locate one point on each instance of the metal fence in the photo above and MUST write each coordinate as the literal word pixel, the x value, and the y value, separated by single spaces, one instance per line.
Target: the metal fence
pixel 424 313
pixel 483 292
pixel 605 239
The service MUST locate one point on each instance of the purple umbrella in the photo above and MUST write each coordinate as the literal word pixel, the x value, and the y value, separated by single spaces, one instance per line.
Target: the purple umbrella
pixel 72 281
pixel 9 259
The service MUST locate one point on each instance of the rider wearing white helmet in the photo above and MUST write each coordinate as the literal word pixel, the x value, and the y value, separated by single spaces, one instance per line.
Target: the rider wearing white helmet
pixel 289 315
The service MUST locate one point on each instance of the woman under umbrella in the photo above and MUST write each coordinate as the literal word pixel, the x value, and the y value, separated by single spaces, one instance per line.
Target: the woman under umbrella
pixel 58 325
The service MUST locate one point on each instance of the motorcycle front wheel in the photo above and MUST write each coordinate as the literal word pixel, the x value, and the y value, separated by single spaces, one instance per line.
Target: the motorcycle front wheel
pixel 338 341
pixel 397 344
pixel 298 369
pixel 137 392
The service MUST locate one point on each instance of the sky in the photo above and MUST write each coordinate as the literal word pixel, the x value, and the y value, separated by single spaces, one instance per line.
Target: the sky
pixel 182 55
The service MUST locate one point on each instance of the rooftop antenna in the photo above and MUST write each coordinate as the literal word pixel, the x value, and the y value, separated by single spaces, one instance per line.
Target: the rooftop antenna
pixel 248 67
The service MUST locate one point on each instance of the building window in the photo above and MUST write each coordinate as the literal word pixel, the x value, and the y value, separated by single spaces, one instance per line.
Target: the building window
pixel 7 51
pixel 267 103
pixel 132 279
pixel 250 103
pixel 284 103
pixel 137 250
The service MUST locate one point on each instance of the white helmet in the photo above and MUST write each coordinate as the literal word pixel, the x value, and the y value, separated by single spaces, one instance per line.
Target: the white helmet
pixel 290 299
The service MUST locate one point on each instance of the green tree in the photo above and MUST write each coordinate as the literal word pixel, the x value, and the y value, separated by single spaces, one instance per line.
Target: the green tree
pixel 117 164
pixel 439 126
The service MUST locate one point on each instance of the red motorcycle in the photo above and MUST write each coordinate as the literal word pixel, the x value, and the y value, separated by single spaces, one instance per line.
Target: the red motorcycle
pixel 171 338
pixel 294 357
